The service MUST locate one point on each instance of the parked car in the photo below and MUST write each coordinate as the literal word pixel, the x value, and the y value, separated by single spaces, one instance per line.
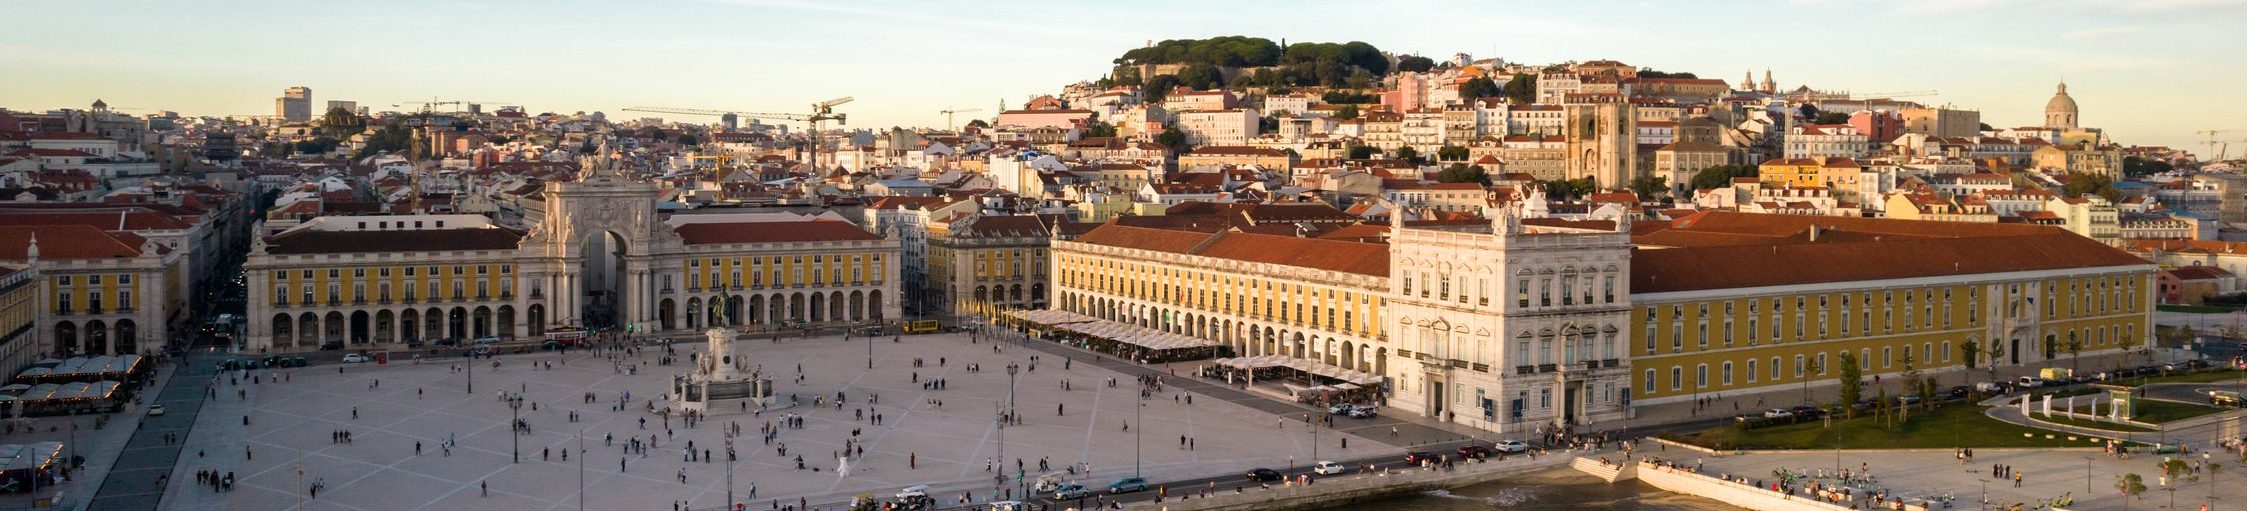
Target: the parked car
pixel 1907 399
pixel 487 340
pixel 1263 474
pixel 1071 492
pixel 414 343
pixel 1513 446
pixel 1128 485
pixel 155 410
pixel 1327 468
pixel 1415 457
pixel 1362 412
pixel 331 345
pixel 1778 413
pixel 1809 412
pixel 918 490
pixel 1005 505
pixel 2030 382
pixel 1958 392
pixel 1340 409
pixel 354 358
pixel 1471 451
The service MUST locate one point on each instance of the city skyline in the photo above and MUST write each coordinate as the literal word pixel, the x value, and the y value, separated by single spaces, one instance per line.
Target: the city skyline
pixel 2126 62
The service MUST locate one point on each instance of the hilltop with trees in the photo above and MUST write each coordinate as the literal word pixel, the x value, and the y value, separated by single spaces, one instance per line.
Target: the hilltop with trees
pixel 1205 64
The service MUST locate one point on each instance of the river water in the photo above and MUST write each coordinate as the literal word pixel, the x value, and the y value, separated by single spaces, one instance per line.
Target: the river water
pixel 1555 489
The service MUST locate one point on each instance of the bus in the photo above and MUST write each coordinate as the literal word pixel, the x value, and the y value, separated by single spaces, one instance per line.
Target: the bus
pixel 922 326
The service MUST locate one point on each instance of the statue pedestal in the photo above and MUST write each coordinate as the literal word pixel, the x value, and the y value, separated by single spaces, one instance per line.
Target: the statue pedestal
pixel 716 385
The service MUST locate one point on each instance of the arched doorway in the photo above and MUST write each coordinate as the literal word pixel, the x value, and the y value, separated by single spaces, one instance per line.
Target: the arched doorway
pixel 66 337
pixel 307 330
pixel 2015 352
pixel 433 324
pixel 874 304
pixel 284 331
pixel 835 306
pixel 97 338
pixel 535 318
pixel 128 337
pixel 385 326
pixel 506 321
pixel 483 322
pixel 456 323
pixel 857 306
pixel 818 308
pixel 796 307
pixel 361 327
pixel 332 327
pixel 667 313
pixel 409 325
pixel 694 313
pixel 758 311
pixel 733 311
pixel 604 255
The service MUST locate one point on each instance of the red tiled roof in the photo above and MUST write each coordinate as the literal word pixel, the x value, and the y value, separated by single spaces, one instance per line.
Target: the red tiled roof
pixel 349 242
pixel 1325 254
pixel 1715 250
pixel 66 242
pixel 772 232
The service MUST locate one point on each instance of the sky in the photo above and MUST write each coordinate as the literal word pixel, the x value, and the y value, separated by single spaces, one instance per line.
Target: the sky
pixel 2150 72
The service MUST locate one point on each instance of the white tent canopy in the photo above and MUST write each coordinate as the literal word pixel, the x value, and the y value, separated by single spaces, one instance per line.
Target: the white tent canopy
pixel 1307 366
pixel 1050 316
pixel 1135 335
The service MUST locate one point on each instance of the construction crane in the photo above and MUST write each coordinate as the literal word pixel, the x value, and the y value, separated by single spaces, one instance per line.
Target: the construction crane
pixel 948 125
pixel 2212 142
pixel 820 112
pixel 430 106
pixel 1892 95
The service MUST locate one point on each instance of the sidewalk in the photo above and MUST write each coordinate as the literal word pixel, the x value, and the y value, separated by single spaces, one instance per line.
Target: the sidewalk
pixel 1411 431
pixel 129 480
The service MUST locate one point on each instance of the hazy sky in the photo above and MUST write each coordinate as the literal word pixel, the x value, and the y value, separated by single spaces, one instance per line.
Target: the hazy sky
pixel 2149 71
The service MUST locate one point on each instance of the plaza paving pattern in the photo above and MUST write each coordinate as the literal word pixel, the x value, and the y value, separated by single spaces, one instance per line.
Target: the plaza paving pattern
pixel 282 450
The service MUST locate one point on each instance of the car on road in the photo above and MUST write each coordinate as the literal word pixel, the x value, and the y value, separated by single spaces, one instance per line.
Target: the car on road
pixel 1006 505
pixel 1071 491
pixel 1778 413
pixel 1809 412
pixel 354 358
pixel 1415 457
pixel 918 490
pixel 1513 446
pixel 155 410
pixel 2030 382
pixel 1340 409
pixel 331 346
pixel 1263 474
pixel 487 340
pixel 1907 399
pixel 448 341
pixel 1472 451
pixel 1327 468
pixel 413 343
pixel 1363 412
pixel 1128 485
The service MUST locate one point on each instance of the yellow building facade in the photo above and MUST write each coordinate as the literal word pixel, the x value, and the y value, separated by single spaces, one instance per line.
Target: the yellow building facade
pixel 1259 294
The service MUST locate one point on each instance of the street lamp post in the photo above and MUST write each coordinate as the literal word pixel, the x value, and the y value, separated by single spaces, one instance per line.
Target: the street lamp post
pixel 515 426
pixel 1011 371
pixel 869 351
pixel 729 469
pixel 2208 461
pixel 1136 404
pixel 1314 436
pixel 581 469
